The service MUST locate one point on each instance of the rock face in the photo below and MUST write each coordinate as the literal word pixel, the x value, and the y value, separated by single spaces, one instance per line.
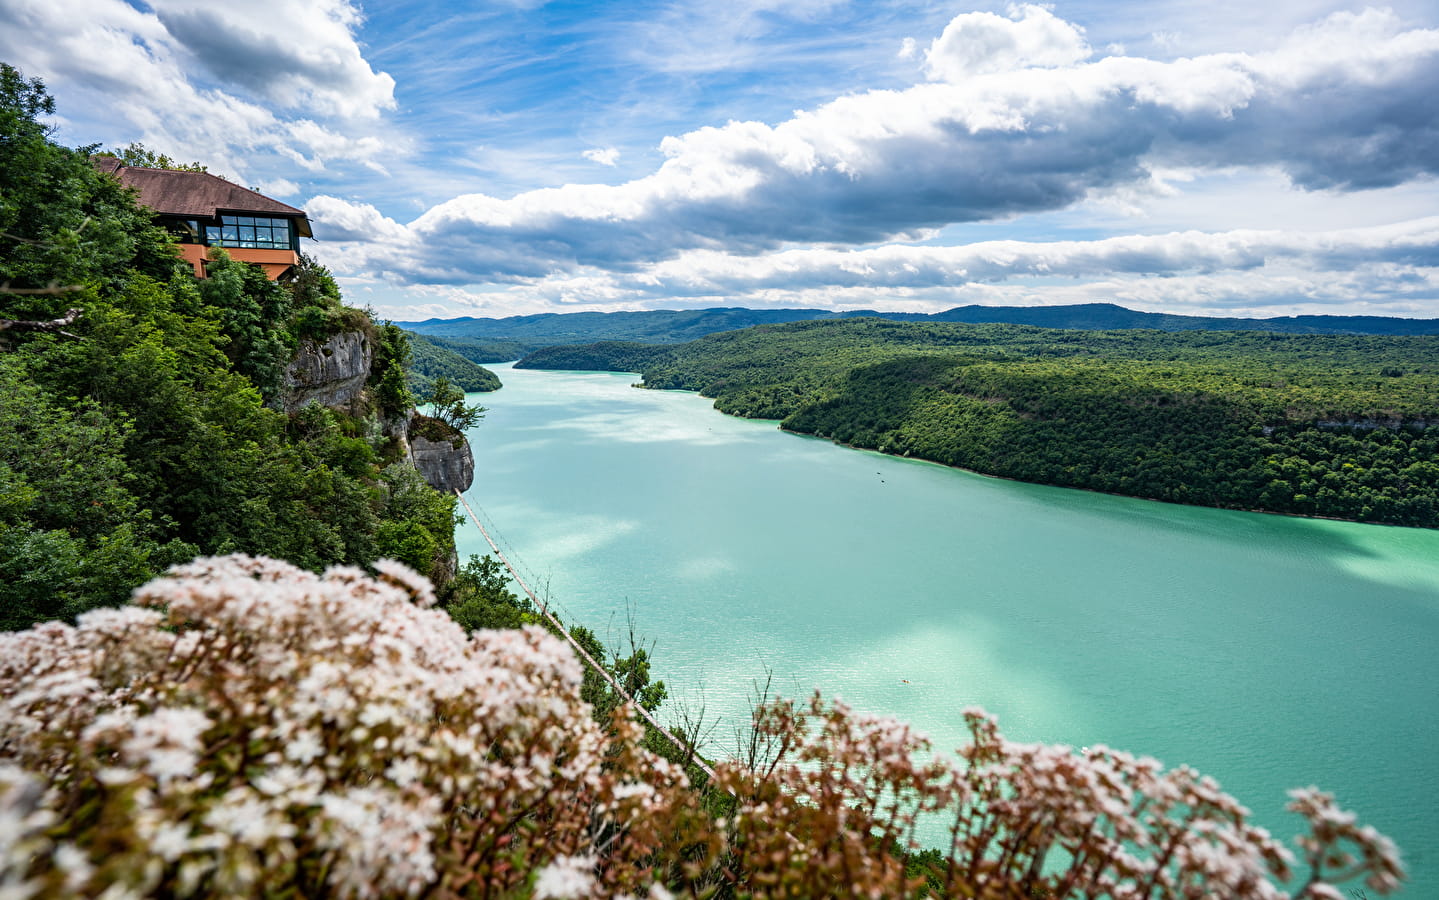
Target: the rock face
pixel 1393 423
pixel 446 468
pixel 331 373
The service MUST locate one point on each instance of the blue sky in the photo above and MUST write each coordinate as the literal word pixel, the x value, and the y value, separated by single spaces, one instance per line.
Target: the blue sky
pixel 489 159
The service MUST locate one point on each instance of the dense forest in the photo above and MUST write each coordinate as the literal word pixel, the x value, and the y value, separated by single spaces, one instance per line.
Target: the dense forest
pixel 479 350
pixel 430 360
pixel 1325 425
pixel 144 429
pixel 510 338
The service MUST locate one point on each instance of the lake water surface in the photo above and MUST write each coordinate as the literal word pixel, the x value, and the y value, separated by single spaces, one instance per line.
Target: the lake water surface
pixel 1269 652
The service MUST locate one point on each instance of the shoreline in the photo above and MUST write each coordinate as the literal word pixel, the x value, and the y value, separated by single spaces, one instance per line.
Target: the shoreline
pixel 779 424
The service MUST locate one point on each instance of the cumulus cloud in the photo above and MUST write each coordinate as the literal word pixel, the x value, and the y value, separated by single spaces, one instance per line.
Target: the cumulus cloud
pixel 982 43
pixel 348 221
pixel 319 68
pixel 146 68
pixel 1014 114
pixel 1345 104
pixel 605 156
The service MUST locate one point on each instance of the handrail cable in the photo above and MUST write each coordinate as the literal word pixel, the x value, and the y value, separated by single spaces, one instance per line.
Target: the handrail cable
pixel 584 654
pixel 508 547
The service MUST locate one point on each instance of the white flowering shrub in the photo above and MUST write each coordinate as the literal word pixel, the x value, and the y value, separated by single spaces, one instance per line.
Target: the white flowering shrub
pixel 824 792
pixel 251 729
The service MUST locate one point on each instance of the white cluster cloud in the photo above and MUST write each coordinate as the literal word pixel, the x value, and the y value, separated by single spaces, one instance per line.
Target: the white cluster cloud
pixel 300 56
pixel 141 68
pixel 1019 123
pixel 983 43
pixel 605 156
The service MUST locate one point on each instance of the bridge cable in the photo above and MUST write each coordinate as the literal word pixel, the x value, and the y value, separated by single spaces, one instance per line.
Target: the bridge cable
pixel 684 747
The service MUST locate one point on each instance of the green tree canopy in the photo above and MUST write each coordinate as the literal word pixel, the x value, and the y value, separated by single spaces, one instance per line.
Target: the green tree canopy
pixel 137 154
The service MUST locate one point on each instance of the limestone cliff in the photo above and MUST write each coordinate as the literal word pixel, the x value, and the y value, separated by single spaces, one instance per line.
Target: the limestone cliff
pixel 330 372
pixel 333 373
pixel 441 454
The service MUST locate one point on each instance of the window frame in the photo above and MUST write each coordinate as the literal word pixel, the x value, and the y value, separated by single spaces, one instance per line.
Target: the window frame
pixel 252 232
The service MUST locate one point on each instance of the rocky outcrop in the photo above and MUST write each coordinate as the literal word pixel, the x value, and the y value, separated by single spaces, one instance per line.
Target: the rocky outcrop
pixel 331 373
pixel 441 455
pixel 1392 423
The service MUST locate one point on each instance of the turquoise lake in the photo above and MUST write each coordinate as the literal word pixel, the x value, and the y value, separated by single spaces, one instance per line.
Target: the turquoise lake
pixel 1269 652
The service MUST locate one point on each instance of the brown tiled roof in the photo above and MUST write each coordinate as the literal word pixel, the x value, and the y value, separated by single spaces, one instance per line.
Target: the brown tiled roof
pixel 197 194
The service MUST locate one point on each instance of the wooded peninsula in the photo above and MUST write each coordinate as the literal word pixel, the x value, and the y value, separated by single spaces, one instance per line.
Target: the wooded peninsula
pixel 1333 425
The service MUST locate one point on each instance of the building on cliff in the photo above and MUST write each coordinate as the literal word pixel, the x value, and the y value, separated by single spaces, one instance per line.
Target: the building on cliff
pixel 204 211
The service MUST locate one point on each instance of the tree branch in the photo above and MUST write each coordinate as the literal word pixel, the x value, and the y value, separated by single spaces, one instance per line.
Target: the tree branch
pixel 51 289
pixel 54 325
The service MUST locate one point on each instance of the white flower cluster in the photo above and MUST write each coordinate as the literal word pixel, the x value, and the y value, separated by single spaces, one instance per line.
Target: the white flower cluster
pixel 251 729
pixel 259 726
pixel 1027 820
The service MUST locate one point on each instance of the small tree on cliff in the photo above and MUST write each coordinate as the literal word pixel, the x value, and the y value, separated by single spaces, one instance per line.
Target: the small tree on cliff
pixel 447 403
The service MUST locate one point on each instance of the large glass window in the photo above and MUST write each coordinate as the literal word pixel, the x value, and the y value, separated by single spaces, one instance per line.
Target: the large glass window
pixel 186 230
pixel 250 231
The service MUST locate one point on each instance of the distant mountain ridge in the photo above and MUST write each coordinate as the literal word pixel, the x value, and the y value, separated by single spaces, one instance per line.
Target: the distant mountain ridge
pixel 665 326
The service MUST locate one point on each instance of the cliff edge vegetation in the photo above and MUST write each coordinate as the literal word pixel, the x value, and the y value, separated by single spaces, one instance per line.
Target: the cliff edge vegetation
pixel 147 416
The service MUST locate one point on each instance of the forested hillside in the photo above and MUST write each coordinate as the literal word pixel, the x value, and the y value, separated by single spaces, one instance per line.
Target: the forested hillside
pixel 1326 425
pixel 143 430
pixel 430 360
pixel 516 335
pixel 480 350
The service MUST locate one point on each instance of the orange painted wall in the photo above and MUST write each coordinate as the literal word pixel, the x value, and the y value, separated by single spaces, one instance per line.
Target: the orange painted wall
pixel 274 262
pixel 194 254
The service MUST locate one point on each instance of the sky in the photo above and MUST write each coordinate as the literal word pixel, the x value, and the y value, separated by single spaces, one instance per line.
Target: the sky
pixel 1224 157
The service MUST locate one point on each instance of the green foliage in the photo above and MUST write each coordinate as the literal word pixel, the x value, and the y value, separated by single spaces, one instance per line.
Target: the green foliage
pixel 73 533
pixel 143 439
pixel 409 542
pixel 249 308
pixel 62 223
pixel 313 285
pixel 430 361
pixel 632 672
pixel 137 154
pixel 387 374
pixel 481 350
pixel 609 356
pixel 447 404
pixel 479 597
pixel 1341 426
pixel 317 309
pixel 416 518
